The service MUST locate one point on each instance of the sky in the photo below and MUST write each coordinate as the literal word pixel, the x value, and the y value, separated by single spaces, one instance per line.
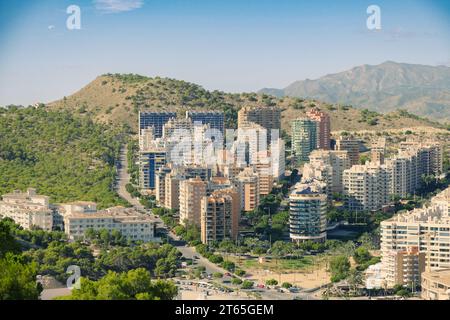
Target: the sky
pixel 228 45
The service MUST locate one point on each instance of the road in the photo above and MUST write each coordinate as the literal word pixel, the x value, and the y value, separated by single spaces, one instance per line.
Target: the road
pixel 123 178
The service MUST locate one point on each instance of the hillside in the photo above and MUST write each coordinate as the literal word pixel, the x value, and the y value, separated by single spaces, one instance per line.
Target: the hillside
pixel 421 90
pixel 117 99
pixel 60 155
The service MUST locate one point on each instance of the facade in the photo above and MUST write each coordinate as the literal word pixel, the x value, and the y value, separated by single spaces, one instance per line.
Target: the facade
pixel 265 116
pixel 427 228
pixel 278 158
pixel 160 184
pixel 155 120
pixel 352 146
pixel 150 161
pixel 328 166
pixel 308 208
pixel 378 151
pixel 404 267
pixel 215 119
pixel 323 128
pixel 127 221
pixel 192 191
pixel 436 285
pixel 27 209
pixel 366 187
pixel 249 189
pixel 172 190
pixel 304 139
pixel 219 216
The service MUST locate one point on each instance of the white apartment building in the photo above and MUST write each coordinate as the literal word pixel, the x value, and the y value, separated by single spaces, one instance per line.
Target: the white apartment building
pixel 27 209
pixel 127 221
pixel 366 187
pixel 427 228
pixel 328 166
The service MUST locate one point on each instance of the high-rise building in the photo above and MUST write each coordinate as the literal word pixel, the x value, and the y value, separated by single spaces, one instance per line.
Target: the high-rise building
pixel 328 166
pixel 269 117
pixel 192 192
pixel 436 285
pixel 27 209
pixel 378 151
pixel 220 216
pixel 308 208
pixel 323 127
pixel 215 119
pixel 352 146
pixel 427 228
pixel 172 190
pixel 366 187
pixel 160 185
pixel 304 139
pixel 278 158
pixel 404 267
pixel 249 189
pixel 155 120
pixel 150 161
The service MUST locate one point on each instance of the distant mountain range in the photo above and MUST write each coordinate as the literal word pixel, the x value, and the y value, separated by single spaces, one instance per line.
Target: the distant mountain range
pixel 419 89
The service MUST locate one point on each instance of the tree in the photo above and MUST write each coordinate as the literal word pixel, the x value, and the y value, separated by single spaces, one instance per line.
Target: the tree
pixel 7 241
pixel 286 285
pixel 236 281
pixel 271 282
pixel 18 279
pixel 362 255
pixel 132 285
pixel 247 285
pixel 339 267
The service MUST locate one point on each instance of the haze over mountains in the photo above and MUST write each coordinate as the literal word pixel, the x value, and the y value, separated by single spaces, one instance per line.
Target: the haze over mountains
pixel 419 89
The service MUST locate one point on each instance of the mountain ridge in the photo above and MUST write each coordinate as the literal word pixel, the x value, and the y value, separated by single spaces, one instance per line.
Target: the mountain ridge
pixel 420 89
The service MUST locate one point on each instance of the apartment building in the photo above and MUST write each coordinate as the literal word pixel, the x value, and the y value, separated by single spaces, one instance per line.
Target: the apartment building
pixel 307 208
pixel 172 190
pixel 404 267
pixel 304 139
pixel 248 186
pixel 27 209
pixel 192 191
pixel 427 228
pixel 278 158
pixel 378 151
pixel 366 187
pixel 150 161
pixel 214 119
pixel 266 116
pixel 160 184
pixel 132 225
pixel 436 285
pixel 351 145
pixel 220 216
pixel 323 122
pixel 328 166
pixel 155 120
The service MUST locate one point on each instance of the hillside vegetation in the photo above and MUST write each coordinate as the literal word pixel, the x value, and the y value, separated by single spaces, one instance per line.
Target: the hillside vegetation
pixel 62 156
pixel 116 100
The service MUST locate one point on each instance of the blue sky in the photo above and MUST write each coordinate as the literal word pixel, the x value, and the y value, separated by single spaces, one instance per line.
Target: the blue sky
pixel 229 45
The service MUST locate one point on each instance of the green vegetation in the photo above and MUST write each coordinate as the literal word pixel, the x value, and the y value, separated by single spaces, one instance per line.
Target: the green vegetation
pixel 340 268
pixel 271 282
pixel 17 277
pixel 64 157
pixel 246 285
pixel 131 285
pixel 286 285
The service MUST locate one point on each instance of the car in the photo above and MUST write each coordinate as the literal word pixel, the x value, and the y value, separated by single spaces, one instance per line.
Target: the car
pixel 196 257
pixel 228 274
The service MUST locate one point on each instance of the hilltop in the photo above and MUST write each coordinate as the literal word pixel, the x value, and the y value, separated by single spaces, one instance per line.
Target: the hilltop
pixel 116 99
pixel 419 89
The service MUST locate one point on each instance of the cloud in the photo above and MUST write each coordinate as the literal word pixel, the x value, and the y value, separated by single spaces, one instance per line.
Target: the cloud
pixel 117 6
pixel 51 27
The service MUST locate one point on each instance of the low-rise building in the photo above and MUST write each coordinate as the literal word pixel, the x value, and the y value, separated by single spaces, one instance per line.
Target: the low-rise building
pixel 132 225
pixel 27 209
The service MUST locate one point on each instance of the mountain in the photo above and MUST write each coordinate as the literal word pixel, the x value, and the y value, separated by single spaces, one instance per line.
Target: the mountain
pixel 116 99
pixel 419 89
